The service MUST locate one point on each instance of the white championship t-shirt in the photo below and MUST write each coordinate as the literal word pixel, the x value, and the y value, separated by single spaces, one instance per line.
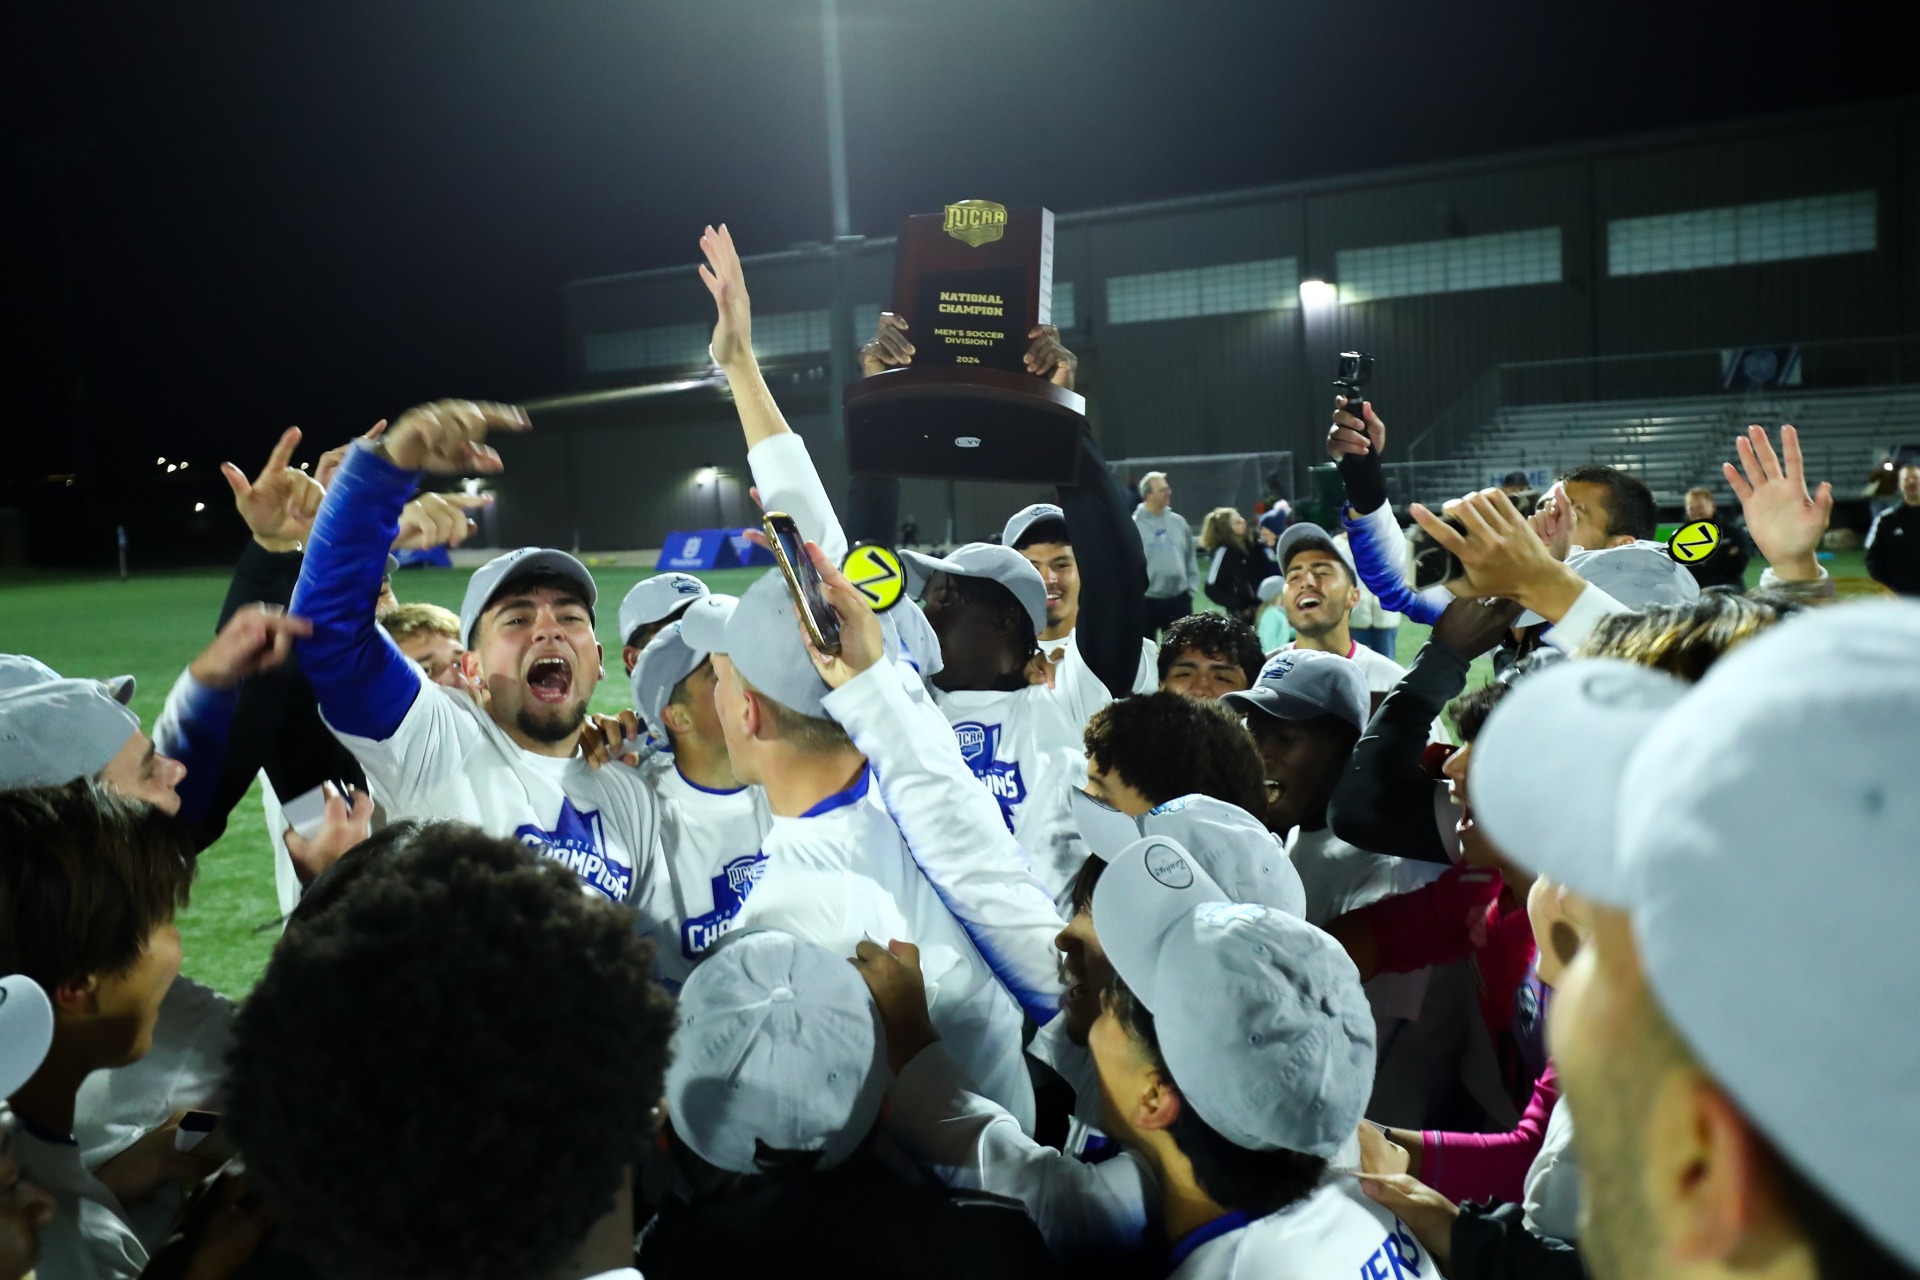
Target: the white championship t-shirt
pixel 1027 747
pixel 1335 1232
pixel 841 873
pixel 448 759
pixel 709 845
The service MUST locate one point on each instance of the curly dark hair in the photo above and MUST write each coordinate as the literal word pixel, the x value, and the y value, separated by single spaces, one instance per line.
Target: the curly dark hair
pixel 86 877
pixel 448 1070
pixel 1631 511
pixel 1255 1182
pixel 1166 745
pixel 1217 636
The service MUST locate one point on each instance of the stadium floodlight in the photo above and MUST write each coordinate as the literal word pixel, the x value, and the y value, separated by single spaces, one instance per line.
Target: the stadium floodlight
pixel 706 475
pixel 1318 293
pixel 159 462
pixel 199 506
pixel 183 466
pixel 171 468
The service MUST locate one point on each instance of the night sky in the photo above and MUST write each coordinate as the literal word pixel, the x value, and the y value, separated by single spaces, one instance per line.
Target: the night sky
pixel 231 217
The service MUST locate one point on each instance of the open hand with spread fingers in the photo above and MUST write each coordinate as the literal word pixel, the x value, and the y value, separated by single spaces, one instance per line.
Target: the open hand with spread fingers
pixel 1785 521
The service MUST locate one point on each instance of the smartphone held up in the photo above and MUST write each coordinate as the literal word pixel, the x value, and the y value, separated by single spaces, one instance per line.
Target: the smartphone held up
pixel 803 581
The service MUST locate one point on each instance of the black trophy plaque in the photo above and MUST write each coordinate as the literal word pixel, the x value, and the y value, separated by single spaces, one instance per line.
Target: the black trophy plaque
pixel 971 283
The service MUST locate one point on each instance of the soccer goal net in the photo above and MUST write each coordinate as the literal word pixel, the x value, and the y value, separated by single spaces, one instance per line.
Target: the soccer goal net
pixel 1203 481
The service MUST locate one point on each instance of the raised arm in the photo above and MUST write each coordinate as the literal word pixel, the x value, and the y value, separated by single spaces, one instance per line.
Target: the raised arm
pixel 1113 572
pixel 783 471
pixel 364 684
pixel 952 824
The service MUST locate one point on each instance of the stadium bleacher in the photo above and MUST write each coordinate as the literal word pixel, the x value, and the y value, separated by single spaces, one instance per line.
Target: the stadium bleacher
pixel 1676 443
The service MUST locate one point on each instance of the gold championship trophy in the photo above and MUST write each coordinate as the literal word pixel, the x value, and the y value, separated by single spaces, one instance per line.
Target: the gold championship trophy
pixel 971 283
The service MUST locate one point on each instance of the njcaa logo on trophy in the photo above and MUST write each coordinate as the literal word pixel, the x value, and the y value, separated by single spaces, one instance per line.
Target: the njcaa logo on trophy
pixel 976 222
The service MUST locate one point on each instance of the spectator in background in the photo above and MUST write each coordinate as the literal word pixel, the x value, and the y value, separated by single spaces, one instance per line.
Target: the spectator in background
pixel 1238 566
pixel 1893 544
pixel 1727 566
pixel 1205 655
pixel 1270 619
pixel 1169 544
pixel 1516 486
pixel 1274 521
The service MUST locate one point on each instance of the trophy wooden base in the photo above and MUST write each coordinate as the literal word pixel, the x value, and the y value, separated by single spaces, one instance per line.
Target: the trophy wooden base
pixel 964 423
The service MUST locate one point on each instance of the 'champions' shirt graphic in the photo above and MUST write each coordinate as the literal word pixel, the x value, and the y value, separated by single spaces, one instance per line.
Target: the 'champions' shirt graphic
pixel 730 889
pixel 978 746
pixel 578 843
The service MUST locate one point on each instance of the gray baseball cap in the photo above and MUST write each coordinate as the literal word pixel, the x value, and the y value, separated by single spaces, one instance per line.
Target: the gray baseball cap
pixel 1260 1016
pixel 1312 535
pixel 1003 565
pixel 1025 518
pixel 1299 684
pixel 1636 574
pixel 663 664
pixel 1233 848
pixel 1770 976
pixel 18 670
pixel 26 1031
pixel 655 598
pixel 779 1047
pixel 59 730
pixel 1271 587
pixel 490 577
pixel 759 633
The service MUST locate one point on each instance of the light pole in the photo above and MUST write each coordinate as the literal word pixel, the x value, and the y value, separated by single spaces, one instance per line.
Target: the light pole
pixel 839 307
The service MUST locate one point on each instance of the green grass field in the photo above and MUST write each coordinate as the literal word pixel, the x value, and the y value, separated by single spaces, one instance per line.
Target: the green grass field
pixel 152 626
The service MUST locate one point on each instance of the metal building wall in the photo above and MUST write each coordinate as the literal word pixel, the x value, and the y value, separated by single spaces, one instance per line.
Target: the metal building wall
pixel 1258 380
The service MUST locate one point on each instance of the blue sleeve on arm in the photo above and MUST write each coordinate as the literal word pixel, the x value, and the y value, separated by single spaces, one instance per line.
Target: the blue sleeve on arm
pixel 364 684
pixel 193 729
pixel 1381 574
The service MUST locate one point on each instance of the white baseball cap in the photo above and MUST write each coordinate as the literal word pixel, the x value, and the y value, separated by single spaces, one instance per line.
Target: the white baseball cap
pixel 663 664
pixel 1307 532
pixel 1637 574
pixel 496 573
pixel 1299 684
pixel 58 730
pixel 18 670
pixel 1026 517
pixel 660 596
pixel 1233 848
pixel 1761 839
pixel 779 1048
pixel 26 1031
pixel 1003 565
pixel 760 634
pixel 1260 1016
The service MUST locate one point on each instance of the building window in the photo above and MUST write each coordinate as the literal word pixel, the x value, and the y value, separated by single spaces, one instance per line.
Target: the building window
pixel 1063 313
pixel 682 346
pixel 1268 285
pixel 673 346
pixel 1772 232
pixel 1449 266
